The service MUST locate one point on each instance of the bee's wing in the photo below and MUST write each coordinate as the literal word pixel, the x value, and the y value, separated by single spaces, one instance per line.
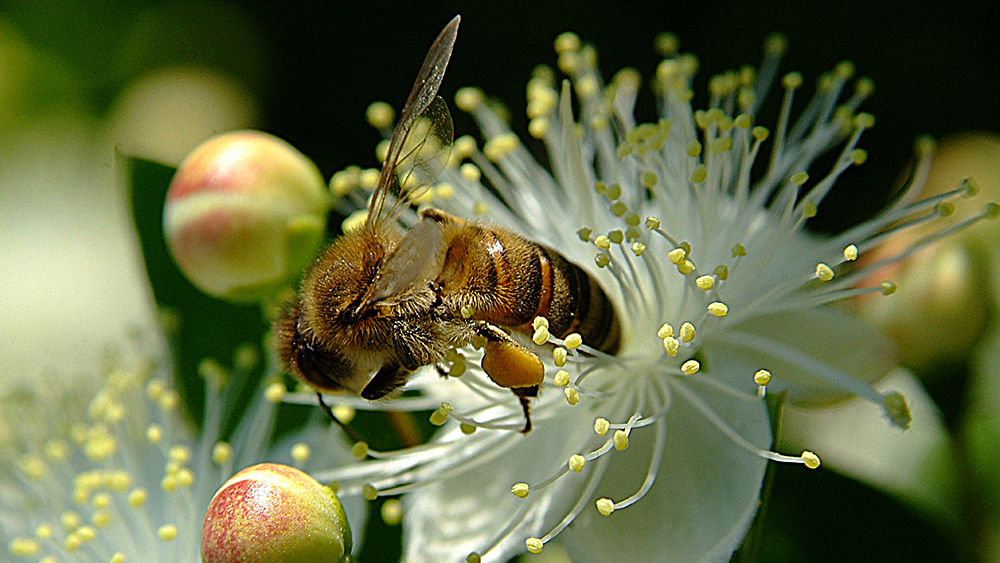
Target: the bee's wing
pixel 423 133
pixel 416 259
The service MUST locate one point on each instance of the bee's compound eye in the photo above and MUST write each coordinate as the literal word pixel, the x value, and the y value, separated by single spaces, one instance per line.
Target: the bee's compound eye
pixel 322 369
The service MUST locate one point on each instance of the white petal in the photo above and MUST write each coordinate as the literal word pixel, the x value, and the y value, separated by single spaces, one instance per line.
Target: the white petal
pixel 448 520
pixel 821 355
pixel 855 439
pixel 705 495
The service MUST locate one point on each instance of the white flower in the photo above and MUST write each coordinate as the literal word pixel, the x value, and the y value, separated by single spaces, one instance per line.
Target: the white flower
pixel 694 225
pixel 115 474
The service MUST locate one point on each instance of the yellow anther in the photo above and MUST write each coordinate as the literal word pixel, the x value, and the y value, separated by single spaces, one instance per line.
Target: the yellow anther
pixel 677 255
pixel 760 133
pixel 360 449
pixel 602 242
pixel 520 490
pixel 897 409
pixel 467 429
pixel 584 234
pixel 369 491
pixel 457 369
pixel 500 146
pixel 824 272
pixel 534 545
pixel 167 532
pixel 354 221
pixel 705 282
pixel 671 345
pixel 539 321
pixel 864 120
pixel 700 174
pixel 137 498
pixel 301 452
pixel 559 356
pixel 101 501
pixel 665 331
pixel 762 377
pixel 888 288
pixel 718 308
pixel 858 156
pixel 792 80
pixel 616 236
pixel 179 454
pixel 185 478
pixel 620 440
pixel 605 506
pixel 693 149
pixel 467 311
pixel 380 115
pixel 439 416
pixel 154 434
pixel 470 172
pixel 601 426
pixel 468 99
pixel 576 462
pixel 101 518
pixel 685 267
pixel 638 248
pixel 392 512
pixel 538 127
pixel 743 121
pixel 573 341
pixel 541 335
pixel 687 332
pixel 561 378
pixel 690 367
pixel 43 532
pixel 851 253
pixel 343 413
pixel 275 392
pixel 23 547
pixel 118 557
pixel 652 223
pixel 86 534
pixel 70 520
pixel 572 395
pixel 810 459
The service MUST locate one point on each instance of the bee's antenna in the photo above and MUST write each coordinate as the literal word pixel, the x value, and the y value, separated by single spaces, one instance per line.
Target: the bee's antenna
pixel 354 436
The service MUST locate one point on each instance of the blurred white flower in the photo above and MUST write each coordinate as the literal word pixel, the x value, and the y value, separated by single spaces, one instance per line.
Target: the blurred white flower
pixel 658 452
pixel 116 474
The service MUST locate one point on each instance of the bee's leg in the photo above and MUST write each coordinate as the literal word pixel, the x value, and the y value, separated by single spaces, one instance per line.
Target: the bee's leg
pixel 524 394
pixel 511 365
pixel 388 379
pixel 508 363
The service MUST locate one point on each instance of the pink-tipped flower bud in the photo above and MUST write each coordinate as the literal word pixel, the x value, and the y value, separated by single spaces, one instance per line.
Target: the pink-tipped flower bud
pixel 244 214
pixel 272 513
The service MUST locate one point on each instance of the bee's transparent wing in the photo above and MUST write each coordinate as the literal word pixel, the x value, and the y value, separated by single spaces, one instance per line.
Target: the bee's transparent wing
pixel 423 134
pixel 424 153
pixel 416 260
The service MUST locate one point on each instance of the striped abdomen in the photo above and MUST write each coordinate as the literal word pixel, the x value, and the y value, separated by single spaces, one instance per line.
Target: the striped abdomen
pixel 508 280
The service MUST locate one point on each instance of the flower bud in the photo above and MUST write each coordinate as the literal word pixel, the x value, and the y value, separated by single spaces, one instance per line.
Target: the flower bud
pixel 244 214
pixel 272 513
pixel 943 305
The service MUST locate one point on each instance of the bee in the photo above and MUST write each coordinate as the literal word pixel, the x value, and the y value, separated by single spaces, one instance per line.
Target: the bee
pixel 385 300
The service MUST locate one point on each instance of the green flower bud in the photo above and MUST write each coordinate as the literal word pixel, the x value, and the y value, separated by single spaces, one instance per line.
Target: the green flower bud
pixel 272 513
pixel 245 213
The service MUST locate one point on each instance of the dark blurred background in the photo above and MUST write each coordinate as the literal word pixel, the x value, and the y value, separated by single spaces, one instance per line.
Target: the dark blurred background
pixel 314 68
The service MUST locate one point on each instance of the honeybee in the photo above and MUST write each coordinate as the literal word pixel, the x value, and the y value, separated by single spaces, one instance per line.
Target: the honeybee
pixel 386 301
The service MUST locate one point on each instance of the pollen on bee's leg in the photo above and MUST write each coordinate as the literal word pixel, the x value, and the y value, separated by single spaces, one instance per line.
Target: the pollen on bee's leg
pixel 511 365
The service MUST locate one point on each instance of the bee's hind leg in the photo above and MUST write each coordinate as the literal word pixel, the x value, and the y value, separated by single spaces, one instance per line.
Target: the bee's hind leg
pixel 525 394
pixel 511 365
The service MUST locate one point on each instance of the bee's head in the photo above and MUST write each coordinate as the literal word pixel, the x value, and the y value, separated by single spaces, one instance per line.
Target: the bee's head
pixel 307 360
